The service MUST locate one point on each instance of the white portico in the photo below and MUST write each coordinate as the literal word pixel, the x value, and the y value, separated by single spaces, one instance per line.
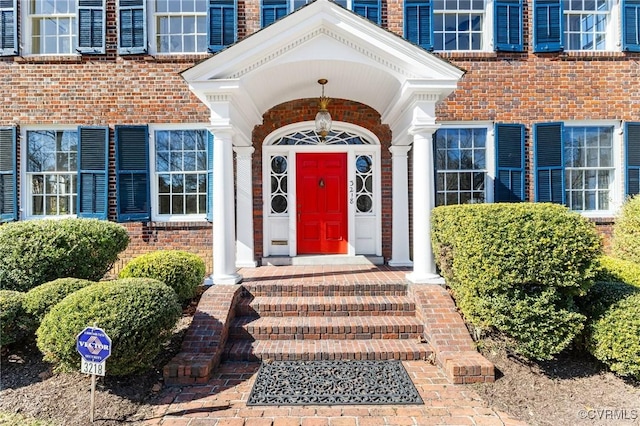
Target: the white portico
pixel 363 63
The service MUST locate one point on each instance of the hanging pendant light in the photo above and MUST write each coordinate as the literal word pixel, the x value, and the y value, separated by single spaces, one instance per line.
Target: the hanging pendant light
pixel 323 118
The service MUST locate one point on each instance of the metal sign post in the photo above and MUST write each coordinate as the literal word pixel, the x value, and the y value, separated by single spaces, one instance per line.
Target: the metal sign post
pixel 94 346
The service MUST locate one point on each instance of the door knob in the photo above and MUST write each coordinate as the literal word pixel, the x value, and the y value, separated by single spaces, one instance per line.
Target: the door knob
pixel 321 183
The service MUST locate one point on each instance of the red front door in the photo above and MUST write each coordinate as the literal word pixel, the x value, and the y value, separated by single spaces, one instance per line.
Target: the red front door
pixel 321 181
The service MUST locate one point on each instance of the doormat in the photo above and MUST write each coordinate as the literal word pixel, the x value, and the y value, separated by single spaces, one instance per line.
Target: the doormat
pixel 333 383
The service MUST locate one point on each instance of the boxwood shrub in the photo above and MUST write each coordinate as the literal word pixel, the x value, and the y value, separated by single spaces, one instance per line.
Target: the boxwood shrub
pixel 138 314
pixel 613 329
pixel 618 270
pixel 37 251
pixel 15 324
pixel 625 240
pixel 518 268
pixel 40 299
pixel 180 270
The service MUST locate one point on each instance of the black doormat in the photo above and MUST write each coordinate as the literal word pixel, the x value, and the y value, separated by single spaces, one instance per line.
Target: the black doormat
pixel 333 383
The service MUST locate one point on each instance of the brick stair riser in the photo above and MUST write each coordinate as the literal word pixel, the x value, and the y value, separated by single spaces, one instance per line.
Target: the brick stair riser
pixel 239 354
pixel 245 309
pixel 325 290
pixel 304 333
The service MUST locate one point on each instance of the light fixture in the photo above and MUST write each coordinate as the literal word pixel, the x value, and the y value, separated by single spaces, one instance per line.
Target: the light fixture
pixel 323 118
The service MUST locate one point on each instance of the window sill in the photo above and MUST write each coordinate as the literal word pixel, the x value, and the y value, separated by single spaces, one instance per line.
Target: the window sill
pixel 47 59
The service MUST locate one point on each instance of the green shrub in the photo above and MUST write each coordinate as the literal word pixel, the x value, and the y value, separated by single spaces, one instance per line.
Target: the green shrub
pixel 618 270
pixel 138 314
pixel 39 300
pixel 613 329
pixel 37 251
pixel 517 268
pixel 625 240
pixel 15 324
pixel 180 270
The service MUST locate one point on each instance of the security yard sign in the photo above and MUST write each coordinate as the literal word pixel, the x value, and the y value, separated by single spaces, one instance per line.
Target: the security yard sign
pixel 94 346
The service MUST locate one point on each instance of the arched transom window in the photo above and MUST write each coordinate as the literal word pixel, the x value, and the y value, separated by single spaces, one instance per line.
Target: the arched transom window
pixel 310 137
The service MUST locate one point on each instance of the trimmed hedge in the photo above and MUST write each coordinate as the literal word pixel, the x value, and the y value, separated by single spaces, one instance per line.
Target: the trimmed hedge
pixel 15 324
pixel 39 300
pixel 138 314
pixel 618 270
pixel 613 329
pixel 37 251
pixel 517 268
pixel 625 240
pixel 180 270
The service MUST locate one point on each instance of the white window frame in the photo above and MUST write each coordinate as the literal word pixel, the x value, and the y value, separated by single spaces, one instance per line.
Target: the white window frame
pixel 26 194
pixel 612 33
pixel 152 21
pixel 616 194
pixel 487 43
pixel 489 154
pixel 27 18
pixel 155 192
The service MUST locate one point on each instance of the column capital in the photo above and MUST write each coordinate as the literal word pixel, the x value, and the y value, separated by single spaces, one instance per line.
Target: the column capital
pixel 421 129
pixel 244 151
pixel 399 150
pixel 221 130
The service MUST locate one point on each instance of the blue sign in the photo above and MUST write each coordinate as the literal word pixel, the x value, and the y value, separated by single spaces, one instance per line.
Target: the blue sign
pixel 93 344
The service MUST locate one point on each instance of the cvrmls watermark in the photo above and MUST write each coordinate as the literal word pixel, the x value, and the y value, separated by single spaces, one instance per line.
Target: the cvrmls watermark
pixel 610 414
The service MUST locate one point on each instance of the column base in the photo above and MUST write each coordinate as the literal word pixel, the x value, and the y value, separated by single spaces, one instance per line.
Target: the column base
pixel 400 263
pixel 223 279
pixel 425 279
pixel 246 264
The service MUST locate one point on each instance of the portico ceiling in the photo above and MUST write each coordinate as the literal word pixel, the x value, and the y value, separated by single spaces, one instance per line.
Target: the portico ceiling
pixel 283 62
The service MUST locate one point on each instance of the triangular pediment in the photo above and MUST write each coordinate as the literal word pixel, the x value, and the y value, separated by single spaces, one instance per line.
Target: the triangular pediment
pixel 284 61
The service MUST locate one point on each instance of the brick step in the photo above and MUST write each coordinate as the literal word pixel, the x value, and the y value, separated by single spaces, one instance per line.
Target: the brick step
pixel 326 306
pixel 323 328
pixel 302 289
pixel 316 350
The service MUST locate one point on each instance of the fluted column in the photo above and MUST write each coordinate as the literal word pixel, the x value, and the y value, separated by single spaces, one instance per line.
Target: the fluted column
pixel 424 266
pixel 224 226
pixel 400 254
pixel 245 256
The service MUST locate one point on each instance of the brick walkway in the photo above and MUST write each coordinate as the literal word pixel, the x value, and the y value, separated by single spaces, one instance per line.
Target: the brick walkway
pixel 222 402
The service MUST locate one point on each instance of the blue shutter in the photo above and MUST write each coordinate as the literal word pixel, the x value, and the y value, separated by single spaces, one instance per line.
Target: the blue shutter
pixel 93 166
pixel 8 27
pixel 133 27
pixel 509 181
pixel 418 17
pixel 222 24
pixel 632 156
pixel 91 26
pixel 549 162
pixel 370 9
pixel 631 25
pixel 8 175
pixel 272 10
pixel 508 25
pixel 209 176
pixel 548 26
pixel 132 173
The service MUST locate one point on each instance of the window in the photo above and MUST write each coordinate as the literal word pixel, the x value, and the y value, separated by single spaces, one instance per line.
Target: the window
pixel 8 27
pixel 464 25
pixel 588 153
pixel 579 165
pixel 64 27
pixel 458 24
pixel 180 26
pixel 586 24
pixel 181 172
pixel 461 166
pixel 51 172
pixel 370 9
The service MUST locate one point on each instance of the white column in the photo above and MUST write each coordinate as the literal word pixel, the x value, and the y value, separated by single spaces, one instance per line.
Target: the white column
pixel 424 267
pixel 224 226
pixel 244 199
pixel 400 255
